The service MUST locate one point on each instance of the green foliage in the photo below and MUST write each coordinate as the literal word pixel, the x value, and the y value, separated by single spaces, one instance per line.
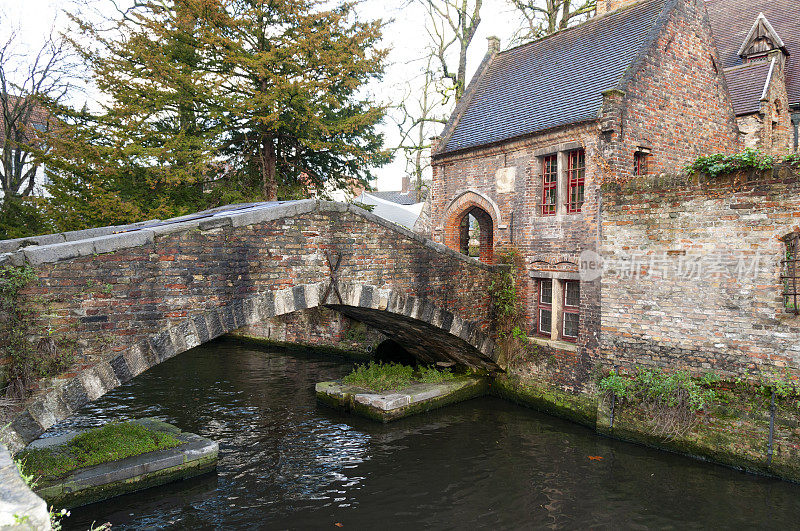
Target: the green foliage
pixel 111 442
pixel 434 375
pixel 750 159
pixel 215 103
pixel 384 376
pixel 656 386
pixel 355 335
pixel 793 159
pixel 670 399
pixel 57 517
pixel 507 313
pixel 23 217
pixel 518 333
pixel 617 385
pixel 722 164
pixel 368 208
pixel 505 299
pixel 779 380
pixel 381 376
pixel 29 479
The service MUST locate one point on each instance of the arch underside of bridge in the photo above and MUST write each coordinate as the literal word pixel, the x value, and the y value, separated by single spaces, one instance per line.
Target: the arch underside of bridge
pixel 429 333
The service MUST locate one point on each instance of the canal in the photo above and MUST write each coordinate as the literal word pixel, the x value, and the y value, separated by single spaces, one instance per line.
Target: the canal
pixel 286 463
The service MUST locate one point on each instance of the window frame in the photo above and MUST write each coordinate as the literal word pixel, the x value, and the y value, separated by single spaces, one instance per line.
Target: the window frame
pixel 540 306
pixel 572 310
pixel 640 163
pixel 550 208
pixel 576 179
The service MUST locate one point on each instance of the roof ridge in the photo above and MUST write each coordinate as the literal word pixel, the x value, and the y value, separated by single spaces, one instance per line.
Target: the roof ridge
pixel 596 18
pixel 652 36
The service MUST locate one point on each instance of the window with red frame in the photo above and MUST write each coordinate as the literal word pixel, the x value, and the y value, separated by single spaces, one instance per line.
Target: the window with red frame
pixel 640 163
pixel 572 303
pixel 549 184
pixel 576 174
pixel 545 307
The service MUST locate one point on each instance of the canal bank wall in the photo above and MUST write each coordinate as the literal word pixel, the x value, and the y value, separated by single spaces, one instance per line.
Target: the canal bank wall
pixel 734 432
pixel 318 328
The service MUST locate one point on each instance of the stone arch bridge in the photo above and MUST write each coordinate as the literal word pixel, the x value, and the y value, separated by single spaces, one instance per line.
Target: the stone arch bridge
pixel 131 297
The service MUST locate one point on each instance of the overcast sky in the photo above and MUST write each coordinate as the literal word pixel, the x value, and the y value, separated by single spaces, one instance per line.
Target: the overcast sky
pixel 405 37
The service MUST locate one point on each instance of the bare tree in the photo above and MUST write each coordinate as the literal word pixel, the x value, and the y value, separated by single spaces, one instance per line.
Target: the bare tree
pixel 452 25
pixel 420 113
pixel 543 17
pixel 28 85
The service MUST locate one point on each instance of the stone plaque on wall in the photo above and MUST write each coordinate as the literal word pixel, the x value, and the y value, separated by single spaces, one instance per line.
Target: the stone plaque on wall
pixel 504 179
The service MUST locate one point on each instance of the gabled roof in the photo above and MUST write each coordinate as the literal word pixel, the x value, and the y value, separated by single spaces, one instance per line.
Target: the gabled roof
pixel 761 27
pixel 747 85
pixel 554 81
pixel 732 21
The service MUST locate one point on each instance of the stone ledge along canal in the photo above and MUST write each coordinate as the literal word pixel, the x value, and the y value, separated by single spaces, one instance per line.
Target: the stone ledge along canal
pixel 287 463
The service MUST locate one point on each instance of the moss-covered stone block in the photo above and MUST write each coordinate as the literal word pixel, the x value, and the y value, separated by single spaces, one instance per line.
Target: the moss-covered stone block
pixel 396 404
pixel 197 455
pixel 580 408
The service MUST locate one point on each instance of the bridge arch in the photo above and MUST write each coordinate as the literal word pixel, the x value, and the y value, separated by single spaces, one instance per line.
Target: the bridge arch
pixel 428 332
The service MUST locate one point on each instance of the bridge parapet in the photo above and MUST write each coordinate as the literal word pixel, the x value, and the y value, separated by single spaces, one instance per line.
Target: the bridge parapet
pixel 133 299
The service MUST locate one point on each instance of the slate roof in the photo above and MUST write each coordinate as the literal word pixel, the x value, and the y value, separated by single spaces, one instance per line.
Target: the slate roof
pixel 554 81
pixel 408 198
pixel 731 21
pixel 746 86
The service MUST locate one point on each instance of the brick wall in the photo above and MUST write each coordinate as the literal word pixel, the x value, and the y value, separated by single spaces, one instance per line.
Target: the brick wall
pixel 316 327
pixel 692 273
pixel 110 301
pixel 676 103
pixel 547 243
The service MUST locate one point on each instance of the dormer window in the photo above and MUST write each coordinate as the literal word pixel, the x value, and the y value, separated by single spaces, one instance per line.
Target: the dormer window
pixel 761 41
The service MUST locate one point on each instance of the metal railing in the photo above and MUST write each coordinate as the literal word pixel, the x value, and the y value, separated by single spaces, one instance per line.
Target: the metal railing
pixel 791 274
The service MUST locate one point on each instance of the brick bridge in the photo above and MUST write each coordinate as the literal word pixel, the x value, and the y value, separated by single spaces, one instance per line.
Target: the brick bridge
pixel 132 297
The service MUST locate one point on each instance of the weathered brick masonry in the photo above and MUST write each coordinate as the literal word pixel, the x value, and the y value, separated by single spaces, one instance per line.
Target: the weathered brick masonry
pixel 547 243
pixel 670 104
pixel 178 285
pixel 693 271
pixel 675 103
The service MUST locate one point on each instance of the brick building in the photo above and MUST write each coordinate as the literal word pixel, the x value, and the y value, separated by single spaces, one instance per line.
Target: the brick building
pixel 637 91
pixel 758 42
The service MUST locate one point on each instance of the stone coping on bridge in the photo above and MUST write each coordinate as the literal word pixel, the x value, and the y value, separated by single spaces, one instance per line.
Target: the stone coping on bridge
pixel 68 245
pixel 396 404
pixel 20 508
pixel 197 455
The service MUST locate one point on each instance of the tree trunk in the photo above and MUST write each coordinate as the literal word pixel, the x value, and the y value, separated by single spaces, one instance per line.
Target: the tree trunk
pixel 269 188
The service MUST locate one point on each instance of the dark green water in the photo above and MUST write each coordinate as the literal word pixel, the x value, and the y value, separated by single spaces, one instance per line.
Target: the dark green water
pixel 286 463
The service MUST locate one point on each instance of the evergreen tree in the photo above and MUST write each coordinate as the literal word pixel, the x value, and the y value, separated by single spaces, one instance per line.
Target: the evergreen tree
pixel 250 99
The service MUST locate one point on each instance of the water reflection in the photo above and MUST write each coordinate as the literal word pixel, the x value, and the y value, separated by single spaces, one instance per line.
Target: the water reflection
pixel 286 463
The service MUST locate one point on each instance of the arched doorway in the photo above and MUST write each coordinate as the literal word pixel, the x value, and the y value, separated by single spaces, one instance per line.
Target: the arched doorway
pixel 475 234
pixel 469 224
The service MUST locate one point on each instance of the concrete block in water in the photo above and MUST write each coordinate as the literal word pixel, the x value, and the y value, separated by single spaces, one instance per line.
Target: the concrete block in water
pixel 396 404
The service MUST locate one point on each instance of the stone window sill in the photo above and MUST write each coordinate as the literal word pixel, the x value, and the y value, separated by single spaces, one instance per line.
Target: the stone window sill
pixel 559 345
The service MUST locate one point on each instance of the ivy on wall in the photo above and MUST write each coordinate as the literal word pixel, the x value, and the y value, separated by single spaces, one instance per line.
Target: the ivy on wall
pixel 31 354
pixel 507 312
